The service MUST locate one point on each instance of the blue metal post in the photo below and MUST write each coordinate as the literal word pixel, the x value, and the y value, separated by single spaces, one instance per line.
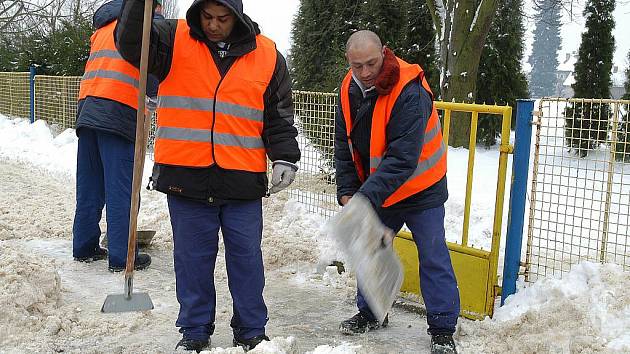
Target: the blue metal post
pixel 518 193
pixel 32 88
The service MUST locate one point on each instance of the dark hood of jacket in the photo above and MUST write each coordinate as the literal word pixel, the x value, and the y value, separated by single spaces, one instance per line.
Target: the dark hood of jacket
pixel 244 31
pixel 107 13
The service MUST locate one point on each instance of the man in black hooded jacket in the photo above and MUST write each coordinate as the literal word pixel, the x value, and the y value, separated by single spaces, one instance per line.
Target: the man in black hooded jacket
pixel 106 128
pixel 224 107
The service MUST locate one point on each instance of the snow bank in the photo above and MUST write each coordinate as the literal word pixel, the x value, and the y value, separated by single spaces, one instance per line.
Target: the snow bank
pixel 588 310
pixel 35 144
pixel 30 289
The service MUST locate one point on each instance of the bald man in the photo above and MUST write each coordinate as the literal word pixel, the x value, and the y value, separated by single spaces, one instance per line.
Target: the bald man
pixel 389 149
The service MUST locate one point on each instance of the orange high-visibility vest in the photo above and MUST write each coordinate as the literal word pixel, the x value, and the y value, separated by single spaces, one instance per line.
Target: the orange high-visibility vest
pixel 204 119
pixel 107 74
pixel 432 162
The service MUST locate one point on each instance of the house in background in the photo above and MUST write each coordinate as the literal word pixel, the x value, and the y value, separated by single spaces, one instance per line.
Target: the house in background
pixel 565 79
pixel 564 75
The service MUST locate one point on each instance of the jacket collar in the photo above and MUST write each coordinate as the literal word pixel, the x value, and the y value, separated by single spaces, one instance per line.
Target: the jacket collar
pixel 389 75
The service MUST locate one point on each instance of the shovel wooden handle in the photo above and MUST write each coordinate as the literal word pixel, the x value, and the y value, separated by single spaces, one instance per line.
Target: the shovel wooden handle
pixel 142 132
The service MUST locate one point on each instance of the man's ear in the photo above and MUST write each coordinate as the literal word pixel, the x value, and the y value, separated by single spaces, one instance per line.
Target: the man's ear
pixel 383 51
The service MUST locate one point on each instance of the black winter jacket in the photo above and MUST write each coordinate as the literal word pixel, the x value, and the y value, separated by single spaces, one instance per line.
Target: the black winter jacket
pixel 405 136
pixel 104 114
pixel 214 183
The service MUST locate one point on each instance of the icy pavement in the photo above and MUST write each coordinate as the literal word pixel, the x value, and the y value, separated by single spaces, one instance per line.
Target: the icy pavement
pixel 300 305
pixel 49 303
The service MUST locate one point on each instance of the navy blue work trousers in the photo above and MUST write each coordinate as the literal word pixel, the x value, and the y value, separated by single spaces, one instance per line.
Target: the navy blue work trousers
pixel 104 174
pixel 196 243
pixel 437 279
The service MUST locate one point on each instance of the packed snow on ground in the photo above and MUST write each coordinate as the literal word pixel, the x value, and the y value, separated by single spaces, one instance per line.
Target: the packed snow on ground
pixel 49 303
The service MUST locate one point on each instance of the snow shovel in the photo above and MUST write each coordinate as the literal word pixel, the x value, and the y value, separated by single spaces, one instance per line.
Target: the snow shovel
pixel 130 301
pixel 368 245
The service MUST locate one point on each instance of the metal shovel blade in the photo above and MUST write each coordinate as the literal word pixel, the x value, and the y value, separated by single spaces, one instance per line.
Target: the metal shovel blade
pixel 122 303
pixel 367 244
pixel 127 302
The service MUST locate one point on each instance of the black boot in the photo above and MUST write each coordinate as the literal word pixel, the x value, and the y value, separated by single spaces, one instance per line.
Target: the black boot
pixel 193 344
pixel 361 323
pixel 99 255
pixel 143 260
pixel 251 343
pixel 442 344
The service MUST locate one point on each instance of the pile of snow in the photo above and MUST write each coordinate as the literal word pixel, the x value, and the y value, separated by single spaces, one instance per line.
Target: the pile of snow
pixel 588 310
pixel 30 291
pixel 282 345
pixel 36 145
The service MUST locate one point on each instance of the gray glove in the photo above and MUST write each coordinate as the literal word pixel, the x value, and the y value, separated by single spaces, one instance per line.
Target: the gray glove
pixel 283 174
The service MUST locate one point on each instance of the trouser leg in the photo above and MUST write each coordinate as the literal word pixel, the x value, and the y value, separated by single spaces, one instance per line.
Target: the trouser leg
pixel 195 246
pixel 437 279
pixel 90 195
pixel 241 224
pixel 117 154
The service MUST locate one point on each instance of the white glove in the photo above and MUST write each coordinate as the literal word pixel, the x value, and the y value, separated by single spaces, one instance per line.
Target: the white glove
pixel 151 104
pixel 283 174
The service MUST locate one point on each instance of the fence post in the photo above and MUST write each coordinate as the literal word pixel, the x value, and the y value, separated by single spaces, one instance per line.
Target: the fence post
pixel 32 93
pixel 518 193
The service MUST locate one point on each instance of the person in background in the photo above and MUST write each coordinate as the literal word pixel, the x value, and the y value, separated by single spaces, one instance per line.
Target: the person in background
pixel 389 149
pixel 106 128
pixel 224 107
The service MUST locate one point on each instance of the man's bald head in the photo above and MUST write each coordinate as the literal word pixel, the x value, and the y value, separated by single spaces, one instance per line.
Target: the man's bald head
pixel 365 54
pixel 362 39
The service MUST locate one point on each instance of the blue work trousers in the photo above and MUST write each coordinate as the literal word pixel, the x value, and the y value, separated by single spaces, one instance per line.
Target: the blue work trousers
pixel 437 279
pixel 104 174
pixel 196 243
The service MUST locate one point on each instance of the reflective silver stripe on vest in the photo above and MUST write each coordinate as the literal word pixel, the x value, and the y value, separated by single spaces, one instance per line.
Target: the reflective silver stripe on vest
pixel 423 165
pixel 105 53
pixel 206 104
pixel 205 136
pixel 427 164
pixel 246 142
pixel 240 111
pixel 187 134
pixel 109 74
pixel 430 135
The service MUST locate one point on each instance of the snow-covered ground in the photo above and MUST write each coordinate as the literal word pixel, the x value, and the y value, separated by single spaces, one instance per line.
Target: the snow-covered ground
pixel 48 303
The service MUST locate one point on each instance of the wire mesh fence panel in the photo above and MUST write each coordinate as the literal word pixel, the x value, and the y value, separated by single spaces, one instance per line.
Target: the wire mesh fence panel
pixel 15 94
pixel 56 99
pixel 315 182
pixel 580 186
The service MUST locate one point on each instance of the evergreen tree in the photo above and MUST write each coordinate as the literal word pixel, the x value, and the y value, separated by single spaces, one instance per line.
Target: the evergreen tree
pixel 318 63
pixel 586 125
pixel 70 48
pixel 320 31
pixel 60 52
pixel 622 148
pixel 418 42
pixel 501 80
pixel 544 57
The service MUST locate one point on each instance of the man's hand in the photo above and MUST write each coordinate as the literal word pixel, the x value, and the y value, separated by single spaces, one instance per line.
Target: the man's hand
pixel 345 199
pixel 283 174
